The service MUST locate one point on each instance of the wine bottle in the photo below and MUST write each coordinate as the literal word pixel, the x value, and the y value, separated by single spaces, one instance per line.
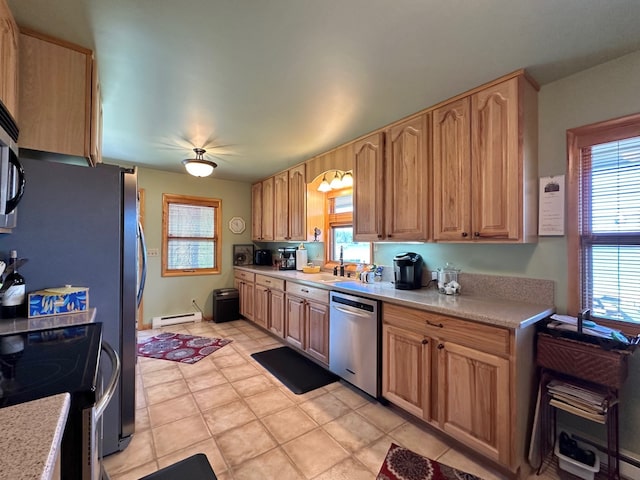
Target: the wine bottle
pixel 14 296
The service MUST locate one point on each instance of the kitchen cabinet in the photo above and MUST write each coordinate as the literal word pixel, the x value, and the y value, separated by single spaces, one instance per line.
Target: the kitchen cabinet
pixel 407 180
pixel 485 165
pixel 262 210
pixel 406 379
pixel 269 303
pixel 368 191
pixel 454 374
pixel 245 283
pixel 9 39
pixel 59 97
pixel 307 320
pixel 288 212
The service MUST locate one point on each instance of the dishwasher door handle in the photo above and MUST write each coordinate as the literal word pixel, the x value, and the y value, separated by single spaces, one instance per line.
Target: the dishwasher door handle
pixel 352 311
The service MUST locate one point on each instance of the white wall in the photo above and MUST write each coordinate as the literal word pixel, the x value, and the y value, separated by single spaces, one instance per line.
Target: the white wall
pixel 172 295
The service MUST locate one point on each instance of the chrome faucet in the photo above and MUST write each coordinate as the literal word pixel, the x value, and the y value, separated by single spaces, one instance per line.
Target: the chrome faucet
pixel 341 262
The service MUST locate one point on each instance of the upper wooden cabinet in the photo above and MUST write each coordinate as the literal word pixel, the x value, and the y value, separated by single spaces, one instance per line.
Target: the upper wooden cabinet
pixel 59 97
pixel 407 180
pixel 290 193
pixel 485 165
pixel 368 191
pixel 262 210
pixel 9 38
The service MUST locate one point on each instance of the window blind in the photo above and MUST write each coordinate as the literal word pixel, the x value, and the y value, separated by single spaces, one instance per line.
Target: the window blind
pixel 610 229
pixel 191 230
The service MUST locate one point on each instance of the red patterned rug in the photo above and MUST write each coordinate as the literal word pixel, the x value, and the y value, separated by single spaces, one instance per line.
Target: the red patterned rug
pixel 179 347
pixel 403 464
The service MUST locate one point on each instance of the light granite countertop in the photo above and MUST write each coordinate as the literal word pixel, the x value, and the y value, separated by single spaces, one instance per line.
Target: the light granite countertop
pixel 494 310
pixel 30 437
pixel 23 325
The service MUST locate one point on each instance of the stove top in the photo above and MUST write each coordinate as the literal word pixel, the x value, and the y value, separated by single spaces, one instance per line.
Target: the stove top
pixel 47 362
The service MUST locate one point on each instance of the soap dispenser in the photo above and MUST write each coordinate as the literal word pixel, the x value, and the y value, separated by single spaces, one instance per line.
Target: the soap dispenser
pixel 301 257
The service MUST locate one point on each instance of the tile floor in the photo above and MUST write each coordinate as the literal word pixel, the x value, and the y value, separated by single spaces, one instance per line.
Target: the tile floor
pixel 251 426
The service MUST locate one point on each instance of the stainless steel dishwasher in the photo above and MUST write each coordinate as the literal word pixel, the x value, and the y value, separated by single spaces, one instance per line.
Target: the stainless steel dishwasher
pixel 354 341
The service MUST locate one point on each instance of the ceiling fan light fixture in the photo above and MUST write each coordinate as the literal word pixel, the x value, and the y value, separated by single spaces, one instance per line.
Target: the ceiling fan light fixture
pixel 199 167
pixel 324 185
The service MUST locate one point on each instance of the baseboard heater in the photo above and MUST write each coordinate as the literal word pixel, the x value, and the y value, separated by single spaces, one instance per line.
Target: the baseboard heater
pixel 190 317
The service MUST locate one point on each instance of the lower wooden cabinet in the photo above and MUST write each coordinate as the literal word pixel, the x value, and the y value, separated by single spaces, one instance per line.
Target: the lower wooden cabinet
pixel 453 385
pixel 307 320
pixel 269 303
pixel 406 379
pixel 244 282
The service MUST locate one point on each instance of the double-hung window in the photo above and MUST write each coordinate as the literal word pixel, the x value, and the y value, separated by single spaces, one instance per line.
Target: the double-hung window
pixel 340 227
pixel 191 235
pixel 604 234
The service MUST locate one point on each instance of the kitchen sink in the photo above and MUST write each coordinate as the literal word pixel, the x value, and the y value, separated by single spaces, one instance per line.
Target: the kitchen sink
pixel 327 278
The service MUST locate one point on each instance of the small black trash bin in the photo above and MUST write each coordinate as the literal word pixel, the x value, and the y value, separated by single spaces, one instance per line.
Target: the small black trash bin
pixel 226 305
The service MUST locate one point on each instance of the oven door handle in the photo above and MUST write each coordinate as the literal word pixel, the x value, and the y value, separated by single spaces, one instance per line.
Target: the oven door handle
pixel 101 405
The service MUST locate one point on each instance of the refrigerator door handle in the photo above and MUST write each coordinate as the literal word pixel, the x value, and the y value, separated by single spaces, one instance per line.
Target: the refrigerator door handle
pixel 143 274
pixel 102 403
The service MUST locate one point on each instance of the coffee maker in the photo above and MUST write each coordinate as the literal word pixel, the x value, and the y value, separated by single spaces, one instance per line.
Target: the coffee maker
pixel 287 258
pixel 407 270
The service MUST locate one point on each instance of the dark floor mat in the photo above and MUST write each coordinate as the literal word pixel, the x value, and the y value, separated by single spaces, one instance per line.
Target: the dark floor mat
pixel 298 373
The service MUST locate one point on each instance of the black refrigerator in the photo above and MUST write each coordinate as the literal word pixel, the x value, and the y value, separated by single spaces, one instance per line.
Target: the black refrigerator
pixel 78 226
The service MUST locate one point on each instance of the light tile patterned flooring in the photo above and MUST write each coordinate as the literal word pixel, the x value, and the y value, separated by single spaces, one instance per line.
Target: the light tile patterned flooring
pixel 251 426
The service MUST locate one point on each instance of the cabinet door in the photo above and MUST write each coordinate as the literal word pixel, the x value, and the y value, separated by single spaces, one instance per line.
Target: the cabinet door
pixel 9 36
pixel 473 399
pixel 256 211
pixel 407 180
pixel 496 162
pixel 277 313
pixel 406 370
pixel 297 203
pixel 261 305
pixel 267 209
pixel 55 95
pixel 95 156
pixel 281 206
pixel 452 171
pixel 246 293
pixel 368 189
pixel 317 331
pixel 294 331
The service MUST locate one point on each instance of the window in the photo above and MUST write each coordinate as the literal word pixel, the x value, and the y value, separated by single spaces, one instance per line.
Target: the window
pixel 340 227
pixel 190 235
pixel 604 203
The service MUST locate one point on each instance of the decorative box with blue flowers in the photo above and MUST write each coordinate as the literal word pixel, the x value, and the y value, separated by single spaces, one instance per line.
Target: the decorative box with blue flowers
pixel 58 301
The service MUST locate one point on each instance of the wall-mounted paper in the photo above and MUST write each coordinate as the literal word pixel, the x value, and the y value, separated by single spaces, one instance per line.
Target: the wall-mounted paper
pixel 551 209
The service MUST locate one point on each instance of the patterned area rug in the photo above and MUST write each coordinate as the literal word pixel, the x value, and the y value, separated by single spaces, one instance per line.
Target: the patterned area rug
pixel 179 347
pixel 403 464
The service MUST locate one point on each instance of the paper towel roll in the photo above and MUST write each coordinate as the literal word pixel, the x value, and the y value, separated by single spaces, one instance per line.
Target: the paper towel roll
pixel 301 258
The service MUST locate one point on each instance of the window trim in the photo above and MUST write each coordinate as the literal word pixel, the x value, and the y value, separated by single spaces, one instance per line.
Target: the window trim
pixel 578 138
pixel 216 203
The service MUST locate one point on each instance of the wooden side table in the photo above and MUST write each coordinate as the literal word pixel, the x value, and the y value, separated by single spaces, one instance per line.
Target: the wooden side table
pixel 587 366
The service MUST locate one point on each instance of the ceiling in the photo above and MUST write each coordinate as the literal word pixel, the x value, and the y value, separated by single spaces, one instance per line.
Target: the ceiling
pixel 263 85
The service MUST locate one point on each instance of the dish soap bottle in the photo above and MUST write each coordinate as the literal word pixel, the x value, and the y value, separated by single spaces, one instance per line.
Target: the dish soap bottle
pixel 301 257
pixel 14 296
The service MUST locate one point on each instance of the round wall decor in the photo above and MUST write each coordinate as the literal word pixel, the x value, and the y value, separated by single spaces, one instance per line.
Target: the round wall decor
pixel 237 225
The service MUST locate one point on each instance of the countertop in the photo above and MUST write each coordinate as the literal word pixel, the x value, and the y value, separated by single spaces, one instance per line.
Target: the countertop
pixel 501 312
pixel 30 437
pixel 22 325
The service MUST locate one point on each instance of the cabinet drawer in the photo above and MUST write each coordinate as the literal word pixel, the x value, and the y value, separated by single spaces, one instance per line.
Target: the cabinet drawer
pixel 270 282
pixel 310 293
pixel 246 276
pixel 486 338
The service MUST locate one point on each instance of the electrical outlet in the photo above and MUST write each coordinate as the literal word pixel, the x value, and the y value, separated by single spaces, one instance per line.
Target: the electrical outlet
pixel 153 252
pixel 434 275
pixel 193 301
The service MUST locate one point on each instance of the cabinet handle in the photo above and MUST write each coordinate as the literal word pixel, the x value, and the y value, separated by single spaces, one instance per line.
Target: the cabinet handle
pixel 425 341
pixel 304 290
pixel 267 281
pixel 465 234
pixel 440 346
pixel 379 236
pixel 439 325
pixel 389 235
pixel 476 234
